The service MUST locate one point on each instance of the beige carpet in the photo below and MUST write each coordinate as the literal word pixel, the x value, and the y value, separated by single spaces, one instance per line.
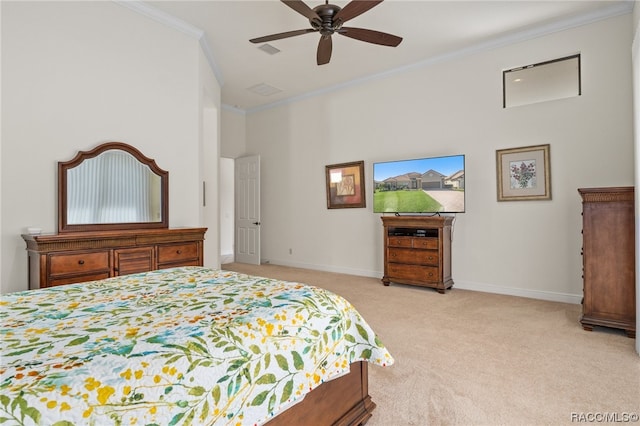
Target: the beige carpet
pixel 471 358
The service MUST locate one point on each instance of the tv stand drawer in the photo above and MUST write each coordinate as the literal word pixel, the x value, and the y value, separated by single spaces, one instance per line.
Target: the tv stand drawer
pixel 402 271
pixel 414 257
pixel 413 242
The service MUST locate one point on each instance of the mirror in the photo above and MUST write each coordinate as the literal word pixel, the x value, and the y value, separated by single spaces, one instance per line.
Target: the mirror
pixel 546 81
pixel 113 186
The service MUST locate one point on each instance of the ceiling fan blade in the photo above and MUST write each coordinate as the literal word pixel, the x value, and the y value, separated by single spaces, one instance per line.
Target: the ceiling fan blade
pixel 354 8
pixel 325 46
pixel 279 36
pixel 304 10
pixel 370 36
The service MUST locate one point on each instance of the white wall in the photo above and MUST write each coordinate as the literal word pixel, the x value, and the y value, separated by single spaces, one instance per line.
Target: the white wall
pixel 209 154
pixel 233 140
pixel 227 210
pixel 233 144
pixel 76 74
pixel 525 248
pixel 210 194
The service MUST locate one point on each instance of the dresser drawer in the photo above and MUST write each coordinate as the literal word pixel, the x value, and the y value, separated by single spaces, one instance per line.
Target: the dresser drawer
pixel 425 243
pixel 79 278
pixel 401 271
pixel 400 242
pixel 79 263
pixel 134 260
pixel 413 242
pixel 178 253
pixel 415 257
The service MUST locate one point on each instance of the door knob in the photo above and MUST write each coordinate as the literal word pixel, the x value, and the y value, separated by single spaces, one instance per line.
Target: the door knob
pixel 256 223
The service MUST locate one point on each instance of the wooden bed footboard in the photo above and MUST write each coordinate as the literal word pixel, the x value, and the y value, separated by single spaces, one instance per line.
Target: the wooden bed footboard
pixel 344 401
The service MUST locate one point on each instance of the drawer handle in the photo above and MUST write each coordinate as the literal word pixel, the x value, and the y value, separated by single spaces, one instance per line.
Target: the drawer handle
pixel 179 251
pixel 80 262
pixel 430 274
pixel 430 257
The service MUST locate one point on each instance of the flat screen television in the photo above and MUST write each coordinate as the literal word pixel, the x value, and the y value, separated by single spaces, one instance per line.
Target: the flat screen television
pixel 421 185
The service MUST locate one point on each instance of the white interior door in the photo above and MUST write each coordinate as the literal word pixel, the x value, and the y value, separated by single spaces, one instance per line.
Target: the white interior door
pixel 247 211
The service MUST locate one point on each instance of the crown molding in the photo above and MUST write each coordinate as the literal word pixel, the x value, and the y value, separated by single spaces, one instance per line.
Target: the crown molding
pixel 177 24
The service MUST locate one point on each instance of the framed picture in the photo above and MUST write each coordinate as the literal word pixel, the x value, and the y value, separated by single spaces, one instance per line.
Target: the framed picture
pixel 345 185
pixel 524 173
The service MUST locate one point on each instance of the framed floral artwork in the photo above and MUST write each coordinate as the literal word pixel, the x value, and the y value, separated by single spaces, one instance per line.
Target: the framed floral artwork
pixel 345 185
pixel 524 173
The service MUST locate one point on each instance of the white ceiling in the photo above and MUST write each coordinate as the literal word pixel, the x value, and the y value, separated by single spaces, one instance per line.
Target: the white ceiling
pixel 431 31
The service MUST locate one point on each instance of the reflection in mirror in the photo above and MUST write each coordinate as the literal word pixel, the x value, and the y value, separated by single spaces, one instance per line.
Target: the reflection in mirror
pixel 112 187
pixel 556 79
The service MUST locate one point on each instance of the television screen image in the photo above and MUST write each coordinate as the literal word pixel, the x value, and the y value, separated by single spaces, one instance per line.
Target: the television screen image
pixel 422 185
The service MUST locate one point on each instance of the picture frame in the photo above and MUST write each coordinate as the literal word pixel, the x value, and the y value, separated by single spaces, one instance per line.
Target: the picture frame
pixel 345 185
pixel 524 173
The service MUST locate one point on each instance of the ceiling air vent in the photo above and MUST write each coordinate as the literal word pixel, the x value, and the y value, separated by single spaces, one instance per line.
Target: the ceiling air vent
pixel 264 89
pixel 267 48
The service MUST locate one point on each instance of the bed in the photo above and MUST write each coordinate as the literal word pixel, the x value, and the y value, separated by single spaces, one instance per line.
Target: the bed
pixel 182 346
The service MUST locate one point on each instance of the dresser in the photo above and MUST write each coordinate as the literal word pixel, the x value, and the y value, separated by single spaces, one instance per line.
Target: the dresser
pixel 417 251
pixel 608 256
pixel 65 258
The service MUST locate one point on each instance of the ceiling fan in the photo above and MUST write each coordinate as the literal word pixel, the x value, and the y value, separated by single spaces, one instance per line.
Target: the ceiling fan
pixel 327 19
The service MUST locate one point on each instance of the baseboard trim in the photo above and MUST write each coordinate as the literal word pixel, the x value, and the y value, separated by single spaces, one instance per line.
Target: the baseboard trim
pixel 226 258
pixel 325 268
pixel 550 296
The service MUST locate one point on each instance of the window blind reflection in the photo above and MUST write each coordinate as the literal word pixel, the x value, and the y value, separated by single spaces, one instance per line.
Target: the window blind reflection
pixel 110 188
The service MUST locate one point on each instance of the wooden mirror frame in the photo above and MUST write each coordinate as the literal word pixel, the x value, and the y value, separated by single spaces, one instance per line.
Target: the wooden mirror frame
pixel 63 167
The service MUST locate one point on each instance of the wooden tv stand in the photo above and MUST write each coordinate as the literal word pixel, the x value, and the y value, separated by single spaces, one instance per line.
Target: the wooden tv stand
pixel 417 251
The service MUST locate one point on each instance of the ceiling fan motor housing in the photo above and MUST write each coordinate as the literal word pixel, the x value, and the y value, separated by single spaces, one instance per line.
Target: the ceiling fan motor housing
pixel 326 12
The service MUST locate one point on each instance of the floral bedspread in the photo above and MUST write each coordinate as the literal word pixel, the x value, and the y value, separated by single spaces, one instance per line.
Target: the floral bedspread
pixel 173 347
